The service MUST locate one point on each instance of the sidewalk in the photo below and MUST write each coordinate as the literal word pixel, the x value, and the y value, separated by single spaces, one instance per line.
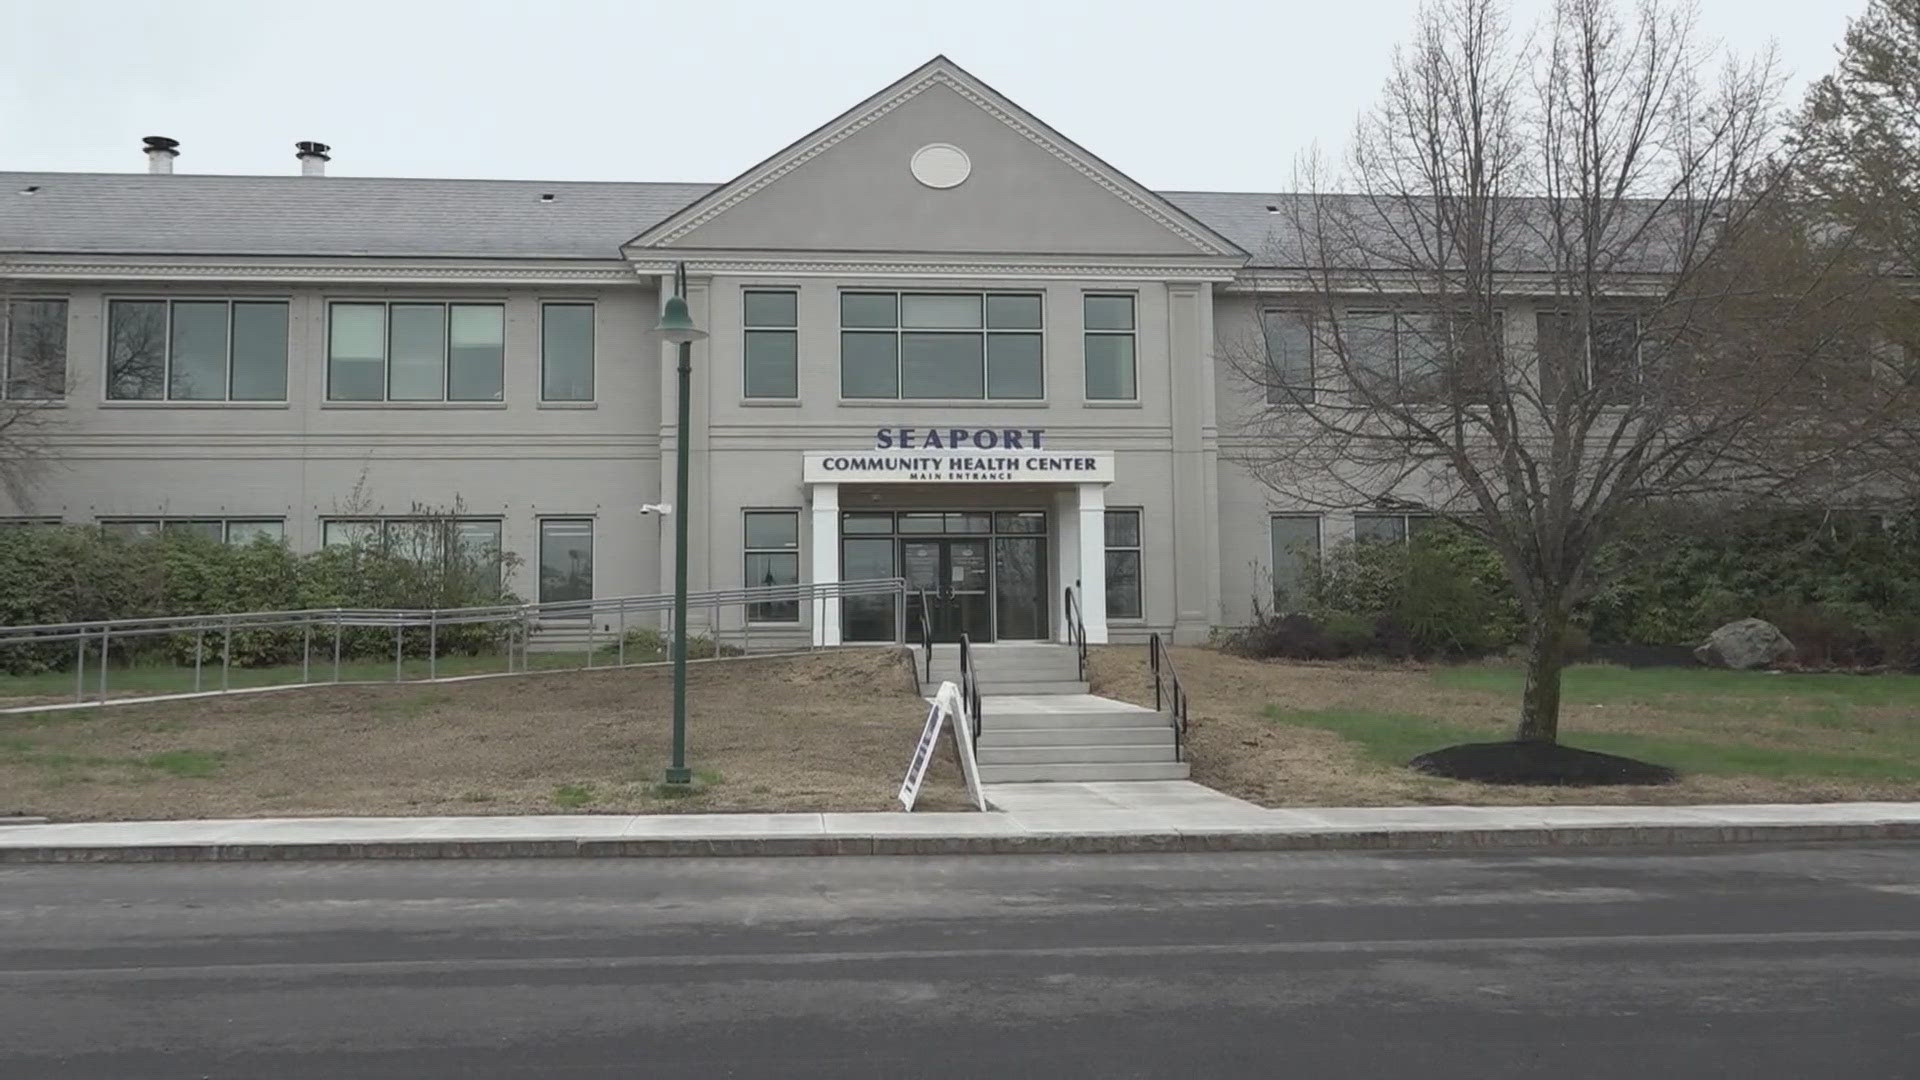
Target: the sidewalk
pixel 1030 818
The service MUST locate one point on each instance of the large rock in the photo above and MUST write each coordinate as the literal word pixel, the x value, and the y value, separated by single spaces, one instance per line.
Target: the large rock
pixel 1748 643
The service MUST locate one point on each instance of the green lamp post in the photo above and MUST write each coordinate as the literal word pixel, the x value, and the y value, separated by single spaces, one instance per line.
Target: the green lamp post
pixel 676 325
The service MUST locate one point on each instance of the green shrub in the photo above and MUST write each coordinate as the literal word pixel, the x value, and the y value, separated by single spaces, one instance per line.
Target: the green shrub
pixel 78 574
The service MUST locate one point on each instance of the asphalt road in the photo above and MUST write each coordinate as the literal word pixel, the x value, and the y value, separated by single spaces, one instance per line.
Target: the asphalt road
pixel 1776 962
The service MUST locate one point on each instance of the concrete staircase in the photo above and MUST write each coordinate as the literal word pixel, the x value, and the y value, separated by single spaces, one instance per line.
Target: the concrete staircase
pixel 1041 724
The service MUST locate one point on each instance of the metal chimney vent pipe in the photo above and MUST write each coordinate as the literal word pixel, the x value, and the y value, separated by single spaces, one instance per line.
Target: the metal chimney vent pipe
pixel 313 157
pixel 160 152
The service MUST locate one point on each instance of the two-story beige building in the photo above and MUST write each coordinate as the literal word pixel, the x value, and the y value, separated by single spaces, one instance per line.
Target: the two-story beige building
pixel 947 343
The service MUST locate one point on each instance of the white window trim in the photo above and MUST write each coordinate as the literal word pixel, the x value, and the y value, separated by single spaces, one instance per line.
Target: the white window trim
pixel 6 350
pixel 540 340
pixel 1139 547
pixel 165 400
pixel 899 329
pixel 593 546
pixel 746 333
pixel 1319 539
pixel 1133 299
pixel 799 564
pixel 386 401
pixel 1312 395
pixel 227 521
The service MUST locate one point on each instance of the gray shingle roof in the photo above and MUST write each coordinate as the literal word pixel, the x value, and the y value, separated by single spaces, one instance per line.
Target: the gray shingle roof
pixel 139 214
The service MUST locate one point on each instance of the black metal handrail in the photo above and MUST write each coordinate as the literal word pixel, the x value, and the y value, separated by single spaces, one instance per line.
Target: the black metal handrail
pixel 1168 695
pixel 1077 627
pixel 926 640
pixel 970 687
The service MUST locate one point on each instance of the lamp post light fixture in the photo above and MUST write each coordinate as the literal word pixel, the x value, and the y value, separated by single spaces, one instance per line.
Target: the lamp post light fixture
pixel 676 325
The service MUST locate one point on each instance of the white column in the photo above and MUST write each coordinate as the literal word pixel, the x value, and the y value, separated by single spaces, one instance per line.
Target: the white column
pixel 1093 561
pixel 826 561
pixel 1066 556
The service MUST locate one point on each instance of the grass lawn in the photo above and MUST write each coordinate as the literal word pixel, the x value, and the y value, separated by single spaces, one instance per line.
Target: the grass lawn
pixel 831 731
pixel 1286 734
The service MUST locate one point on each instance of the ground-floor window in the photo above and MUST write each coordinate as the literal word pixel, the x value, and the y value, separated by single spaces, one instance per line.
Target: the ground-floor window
pixel 1398 528
pixel 566 559
pixel 1123 564
pixel 470 546
pixel 219 530
pixel 1296 549
pixel 773 558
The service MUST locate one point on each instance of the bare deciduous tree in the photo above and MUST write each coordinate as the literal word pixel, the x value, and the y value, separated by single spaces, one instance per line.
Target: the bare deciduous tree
pixel 1554 283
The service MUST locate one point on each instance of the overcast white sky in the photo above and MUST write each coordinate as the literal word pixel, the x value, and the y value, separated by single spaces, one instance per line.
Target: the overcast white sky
pixel 1181 94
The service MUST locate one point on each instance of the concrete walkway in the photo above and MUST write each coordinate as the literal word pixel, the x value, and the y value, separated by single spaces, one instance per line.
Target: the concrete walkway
pixel 1040 818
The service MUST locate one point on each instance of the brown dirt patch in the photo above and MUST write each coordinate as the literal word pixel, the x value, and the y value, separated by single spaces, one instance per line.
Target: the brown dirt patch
pixel 825 732
pixel 1235 748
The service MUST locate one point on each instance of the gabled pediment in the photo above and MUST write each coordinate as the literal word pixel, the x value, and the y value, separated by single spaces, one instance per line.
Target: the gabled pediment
pixel 937 162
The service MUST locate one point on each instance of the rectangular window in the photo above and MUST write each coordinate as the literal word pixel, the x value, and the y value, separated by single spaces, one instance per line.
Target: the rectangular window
pixel 566 352
pixel 1420 356
pixel 958 346
pixel 566 559
pixel 772 359
pixel 773 558
pixel 1110 348
pixel 416 352
pixel 462 545
pixel 33 351
pixel 1289 342
pixel 1397 528
pixel 1602 356
pixel 1296 549
pixel 1123 564
pixel 219 530
pixel 197 350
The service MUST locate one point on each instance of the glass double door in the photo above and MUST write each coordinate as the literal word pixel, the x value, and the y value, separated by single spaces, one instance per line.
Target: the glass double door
pixel 988 588
pixel 953 578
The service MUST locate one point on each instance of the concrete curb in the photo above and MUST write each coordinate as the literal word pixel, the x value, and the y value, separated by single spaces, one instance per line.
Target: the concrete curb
pixel 1078 843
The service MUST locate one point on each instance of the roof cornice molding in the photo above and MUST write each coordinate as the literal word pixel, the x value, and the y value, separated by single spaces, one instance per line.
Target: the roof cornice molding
pixel 1516 283
pixel 265 269
pixel 655 261
pixel 938 72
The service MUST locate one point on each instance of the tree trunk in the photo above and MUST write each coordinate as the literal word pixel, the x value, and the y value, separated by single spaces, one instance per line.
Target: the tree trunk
pixel 1546 654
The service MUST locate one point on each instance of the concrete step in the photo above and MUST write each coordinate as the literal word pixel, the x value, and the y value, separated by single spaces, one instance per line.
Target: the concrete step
pixel 1077 736
pixel 1071 755
pixel 1108 770
pixel 1034 688
pixel 1008 720
pixel 1010 671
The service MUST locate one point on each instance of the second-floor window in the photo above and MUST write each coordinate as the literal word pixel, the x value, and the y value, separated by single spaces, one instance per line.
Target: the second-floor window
pixel 772 360
pixel 33 351
pixel 1289 343
pixel 1421 356
pixel 406 351
pixel 197 350
pixel 566 352
pixel 1109 344
pixel 1605 358
pixel 942 346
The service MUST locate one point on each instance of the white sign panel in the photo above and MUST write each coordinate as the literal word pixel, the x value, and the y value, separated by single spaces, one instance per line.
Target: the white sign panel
pixel 958 466
pixel 922 755
pixel 947 705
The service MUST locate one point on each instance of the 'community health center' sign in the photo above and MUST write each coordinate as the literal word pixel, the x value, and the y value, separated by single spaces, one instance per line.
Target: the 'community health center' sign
pixel 958 455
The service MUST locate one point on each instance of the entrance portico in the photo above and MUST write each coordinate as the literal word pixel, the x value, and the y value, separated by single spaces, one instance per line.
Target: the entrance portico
pixel 993 539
